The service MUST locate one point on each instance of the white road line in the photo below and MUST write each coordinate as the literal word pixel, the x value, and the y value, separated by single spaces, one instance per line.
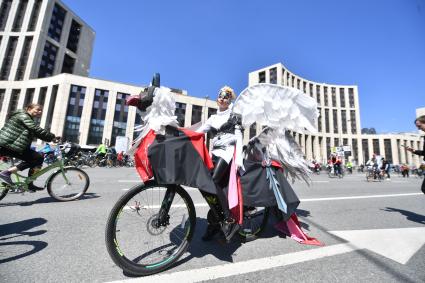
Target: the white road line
pixel 320 181
pixel 361 197
pixel 305 200
pixel 244 267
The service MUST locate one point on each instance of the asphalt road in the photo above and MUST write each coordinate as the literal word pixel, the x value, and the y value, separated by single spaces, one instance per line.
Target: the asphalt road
pixel 373 232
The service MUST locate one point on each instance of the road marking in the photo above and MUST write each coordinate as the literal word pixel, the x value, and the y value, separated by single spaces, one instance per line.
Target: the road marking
pixel 360 197
pixel 306 199
pixel 397 244
pixel 320 181
pixel 253 265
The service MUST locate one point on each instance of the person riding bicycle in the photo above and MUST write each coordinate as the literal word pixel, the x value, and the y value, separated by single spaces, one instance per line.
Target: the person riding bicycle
pixel 222 152
pixel 101 151
pixel 15 141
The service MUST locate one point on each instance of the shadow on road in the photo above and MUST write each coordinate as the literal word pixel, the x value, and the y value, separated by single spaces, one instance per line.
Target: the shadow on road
pixel 10 251
pixel 409 215
pixel 86 196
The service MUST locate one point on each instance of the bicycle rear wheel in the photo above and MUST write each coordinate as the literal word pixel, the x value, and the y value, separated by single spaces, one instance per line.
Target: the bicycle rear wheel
pixel 138 240
pixel 74 186
pixel 3 191
pixel 254 222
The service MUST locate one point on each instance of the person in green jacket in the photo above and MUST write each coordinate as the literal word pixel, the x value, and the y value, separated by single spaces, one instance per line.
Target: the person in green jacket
pixel 15 141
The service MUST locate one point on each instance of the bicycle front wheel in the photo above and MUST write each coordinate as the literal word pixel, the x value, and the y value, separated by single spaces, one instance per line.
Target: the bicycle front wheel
pixel 147 232
pixel 68 185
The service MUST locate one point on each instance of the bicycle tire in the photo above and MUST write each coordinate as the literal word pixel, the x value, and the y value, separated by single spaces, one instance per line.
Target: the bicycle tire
pixel 3 191
pixel 72 191
pixel 130 254
pixel 254 223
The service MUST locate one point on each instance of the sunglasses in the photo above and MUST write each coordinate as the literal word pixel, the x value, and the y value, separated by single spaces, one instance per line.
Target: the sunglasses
pixel 224 95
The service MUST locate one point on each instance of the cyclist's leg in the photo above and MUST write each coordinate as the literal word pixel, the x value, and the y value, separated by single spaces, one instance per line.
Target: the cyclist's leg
pixel 5 174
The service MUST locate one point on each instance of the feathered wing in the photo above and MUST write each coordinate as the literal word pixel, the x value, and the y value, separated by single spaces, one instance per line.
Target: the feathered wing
pixel 157 116
pixel 277 107
pixel 281 109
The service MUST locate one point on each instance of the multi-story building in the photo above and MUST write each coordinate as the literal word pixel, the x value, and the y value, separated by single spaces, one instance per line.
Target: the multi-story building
pixel 42 38
pixel 339 121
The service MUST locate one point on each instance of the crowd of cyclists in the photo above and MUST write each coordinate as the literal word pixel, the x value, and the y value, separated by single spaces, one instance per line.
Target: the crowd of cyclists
pixel 376 168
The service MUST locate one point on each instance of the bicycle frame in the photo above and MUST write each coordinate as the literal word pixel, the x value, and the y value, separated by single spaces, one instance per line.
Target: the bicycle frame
pixel 60 163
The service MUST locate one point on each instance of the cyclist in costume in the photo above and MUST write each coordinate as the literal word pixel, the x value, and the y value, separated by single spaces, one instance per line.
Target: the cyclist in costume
pixel 223 145
pixel 15 141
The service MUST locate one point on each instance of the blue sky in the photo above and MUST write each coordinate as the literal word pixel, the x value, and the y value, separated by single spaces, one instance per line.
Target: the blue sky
pixel 200 46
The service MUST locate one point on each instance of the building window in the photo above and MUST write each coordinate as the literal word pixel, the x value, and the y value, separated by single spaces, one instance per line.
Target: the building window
pixel 56 23
pixel 47 64
pixel 73 113
pixel 97 120
pixel 327 120
pixel 196 114
pixel 333 91
pixel 292 81
pixel 342 97
pixel 311 89
pixel 375 144
pixel 34 15
pixel 42 96
pixel 387 150
pixel 29 95
pixel 180 113
pixel 51 108
pixel 319 120
pixel 318 94
pixel 68 64
pixel 337 142
pixel 328 147
pixel 262 77
pixel 20 72
pixel 13 102
pixel 20 13
pixel 354 149
pixel 211 111
pixel 120 117
pixel 304 87
pixel 325 93
pixel 253 130
pixel 335 117
pixel 74 36
pixel 2 93
pixel 299 84
pixel 365 146
pixel 8 58
pixel 344 121
pixel 353 121
pixel 273 75
pixel 351 97
pixel 4 13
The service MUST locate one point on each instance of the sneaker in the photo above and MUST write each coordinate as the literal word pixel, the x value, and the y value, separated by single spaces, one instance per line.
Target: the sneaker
pixel 5 178
pixel 33 188
pixel 229 229
pixel 211 231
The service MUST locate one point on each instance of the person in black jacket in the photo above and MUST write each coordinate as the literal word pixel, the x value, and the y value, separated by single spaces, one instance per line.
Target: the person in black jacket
pixel 420 123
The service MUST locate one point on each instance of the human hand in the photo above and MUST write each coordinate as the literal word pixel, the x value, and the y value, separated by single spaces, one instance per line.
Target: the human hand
pixel 409 149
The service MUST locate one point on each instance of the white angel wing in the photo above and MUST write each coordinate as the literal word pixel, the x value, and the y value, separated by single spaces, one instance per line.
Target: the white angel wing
pixel 278 107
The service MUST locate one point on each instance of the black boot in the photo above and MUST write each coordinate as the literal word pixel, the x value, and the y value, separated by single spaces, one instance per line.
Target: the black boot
pixel 213 227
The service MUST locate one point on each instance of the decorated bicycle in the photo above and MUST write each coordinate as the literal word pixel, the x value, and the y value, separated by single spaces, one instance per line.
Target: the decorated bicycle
pixel 151 226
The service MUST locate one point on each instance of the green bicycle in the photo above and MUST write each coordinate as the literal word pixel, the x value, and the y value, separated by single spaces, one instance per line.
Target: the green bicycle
pixel 66 183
